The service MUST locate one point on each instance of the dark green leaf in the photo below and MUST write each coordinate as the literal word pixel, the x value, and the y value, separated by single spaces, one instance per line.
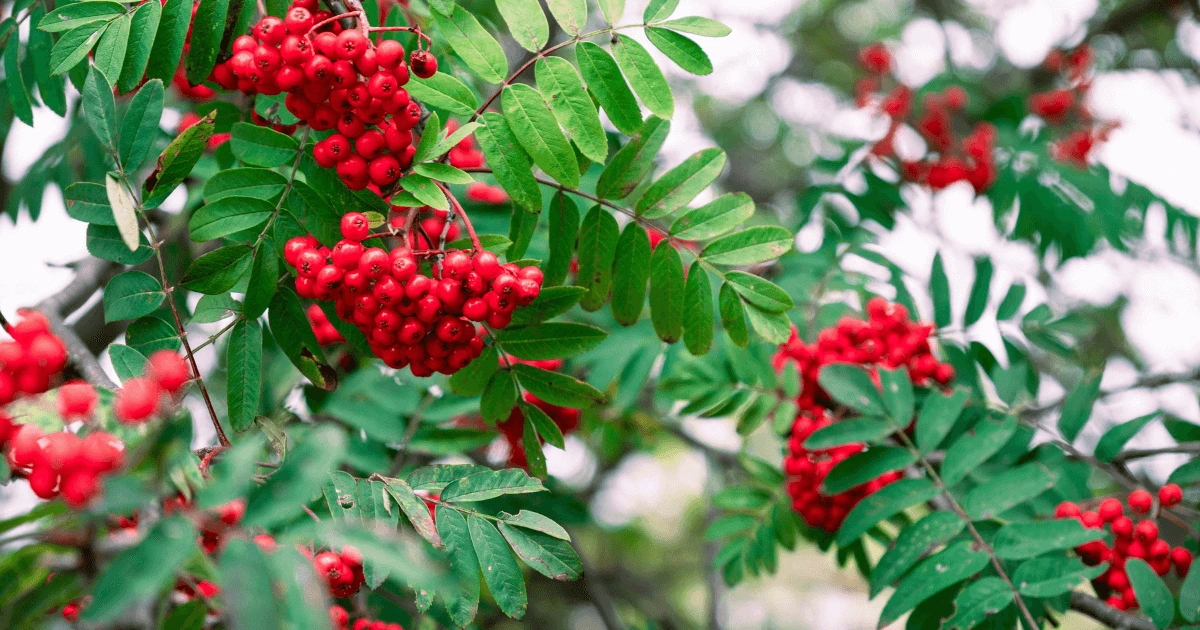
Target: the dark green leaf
pixel 564 92
pixel 1114 440
pixel 245 373
pixel 14 84
pixel 644 76
pixel 911 543
pixel 1022 540
pixel 979 601
pixel 857 430
pixel 415 510
pixel 142 570
pixel 937 572
pixel 99 109
pixel 140 127
pixel 296 481
pixel 208 28
pixel 542 423
pixel 499 397
pixel 173 27
pixel 938 413
pixel 760 292
pixel 598 236
pixel 746 247
pixel 509 162
pixel 228 215
pixel 536 128
pixel 897 394
pixel 151 334
pixel 631 272
pixel 219 270
pixel 463 602
pixel 109 56
pixel 698 318
pixel 76 14
pixel 473 379
pixel 979 291
pixel 291 330
pixel 550 303
pixel 474 45
pixel 177 161
pixel 246 586
pixel 264 277
pixel 262 146
pixel 552 557
pixel 678 186
pixel 74 47
pixel 686 53
pixel 127 362
pixel 142 32
pixel 132 295
pixel 635 160
pixel 38 49
pixel 939 289
pixel 490 484
pixel 536 522
pixel 850 385
pixel 865 466
pixel 604 80
pixel 714 218
pixel 1077 408
pixel 1153 596
pixel 1053 575
pixel 888 501
pixel 1011 303
pixel 1189 597
pixel 500 569
pixel 733 318
pixel 444 91
pixel 773 327
pixel 557 389
pixel 1007 490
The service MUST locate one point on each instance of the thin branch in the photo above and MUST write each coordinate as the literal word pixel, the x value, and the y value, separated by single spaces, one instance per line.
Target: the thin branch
pixel 413 424
pixel 1096 609
pixel 1191 448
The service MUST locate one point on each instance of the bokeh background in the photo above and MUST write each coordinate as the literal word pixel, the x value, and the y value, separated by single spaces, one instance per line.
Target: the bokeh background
pixel 779 100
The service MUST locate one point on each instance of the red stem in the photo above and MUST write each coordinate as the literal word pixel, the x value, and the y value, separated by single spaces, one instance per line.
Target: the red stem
pixel 353 14
pixel 416 30
pixel 458 209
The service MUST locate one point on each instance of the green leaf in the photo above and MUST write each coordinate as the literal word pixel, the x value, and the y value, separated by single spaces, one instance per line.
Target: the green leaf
pixel 604 80
pixel 173 28
pixel 857 430
pixel 1023 540
pixel 714 218
pixel 564 92
pixel 938 413
pixel 132 295
pixel 937 572
pixel 296 481
pixel 291 330
pixel 537 130
pixel 74 47
pixel 142 31
pixel 151 334
pixel 978 300
pixel 443 173
pixel 415 510
pixel 564 232
pixel 490 484
pixel 14 83
pixel 127 362
pixel 598 237
pixel 698 322
pixel 141 570
pixel 1053 575
pixel 536 522
pixel 341 497
pixel 667 293
pixel 264 278
pixel 526 23
pixel 189 616
pixel 760 292
pixel 100 110
pixel 245 373
pixel 746 247
pixel 89 203
pixel 77 14
pixel 539 421
pixel 888 501
pixel 976 447
pixel 911 543
pixel 702 26
pixel 1153 596
pixel 219 270
pixel 865 466
pixel 1077 408
pixel 681 184
pixel 1114 440
pixel 1011 303
pixel 262 146
pixel 551 340
pixel 631 272
pixel 124 211
pixel 686 53
pixel 228 215
pixel 939 289
pixel 772 327
pixel 176 162
pixel 1008 490
pixel 500 569
pixel 473 379
pixel 550 303
pixel 425 190
pixel 38 49
pixel 897 394
pixel 463 602
pixel 550 556
pixel 208 27
pixel 444 91
pixel 658 10
pixel 644 76
pixel 850 385
pixel 246 586
pixel 109 56
pixel 1189 597
pixel 140 127
pixel 509 162
pixel 555 388
pixel 571 15
pixel 499 397
pixel 429 137
pixel 474 45
pixel 979 601
pixel 635 160
pixel 105 242
pixel 733 318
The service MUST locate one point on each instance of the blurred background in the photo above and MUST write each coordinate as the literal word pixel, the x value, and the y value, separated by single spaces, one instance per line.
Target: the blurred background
pixel 780 102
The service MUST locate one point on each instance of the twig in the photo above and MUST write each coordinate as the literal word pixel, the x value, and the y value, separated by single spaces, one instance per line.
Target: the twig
pixel 1096 609
pixel 413 424
pixel 458 209
pixel 1191 448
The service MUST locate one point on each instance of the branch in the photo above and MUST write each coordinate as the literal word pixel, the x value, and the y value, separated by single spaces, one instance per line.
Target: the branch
pixel 1191 448
pixel 1098 610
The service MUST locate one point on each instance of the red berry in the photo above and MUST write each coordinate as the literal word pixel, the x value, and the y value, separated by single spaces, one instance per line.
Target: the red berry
pixel 169 369
pixel 79 487
pixel 298 20
pixel 1140 501
pixel 137 401
pixel 422 64
pixel 351 45
pixel 1146 532
pixel 1170 495
pixel 355 226
pixel 76 400
pixel 1066 509
pixel 384 170
pixel 389 53
pixel 102 452
pixel 1122 527
pixel 1110 509
pixel 270 30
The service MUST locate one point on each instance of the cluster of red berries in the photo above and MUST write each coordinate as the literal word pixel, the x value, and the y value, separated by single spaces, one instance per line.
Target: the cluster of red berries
pixel 1067 107
pixel 326 334
pixel 62 462
pixel 141 398
pixel 888 339
pixel 513 428
pixel 948 160
pixel 31 359
pixel 335 79
pixel 426 322
pixel 428 227
pixel 342 572
pixel 340 618
pixel 1129 541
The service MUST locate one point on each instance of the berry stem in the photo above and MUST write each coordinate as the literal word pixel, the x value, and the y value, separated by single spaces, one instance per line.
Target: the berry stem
pixel 415 30
pixel 463 215
pixel 354 14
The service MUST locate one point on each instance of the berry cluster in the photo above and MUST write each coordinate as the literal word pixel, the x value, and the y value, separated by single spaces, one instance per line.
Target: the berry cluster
pixel 335 80
pixel 340 618
pixel 342 572
pixel 1129 541
pixel 326 334
pixel 426 322
pixel 140 398
pixel 948 159
pixel 31 359
pixel 429 225
pixel 62 462
pixel 1066 108
pixel 513 428
pixel 888 339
